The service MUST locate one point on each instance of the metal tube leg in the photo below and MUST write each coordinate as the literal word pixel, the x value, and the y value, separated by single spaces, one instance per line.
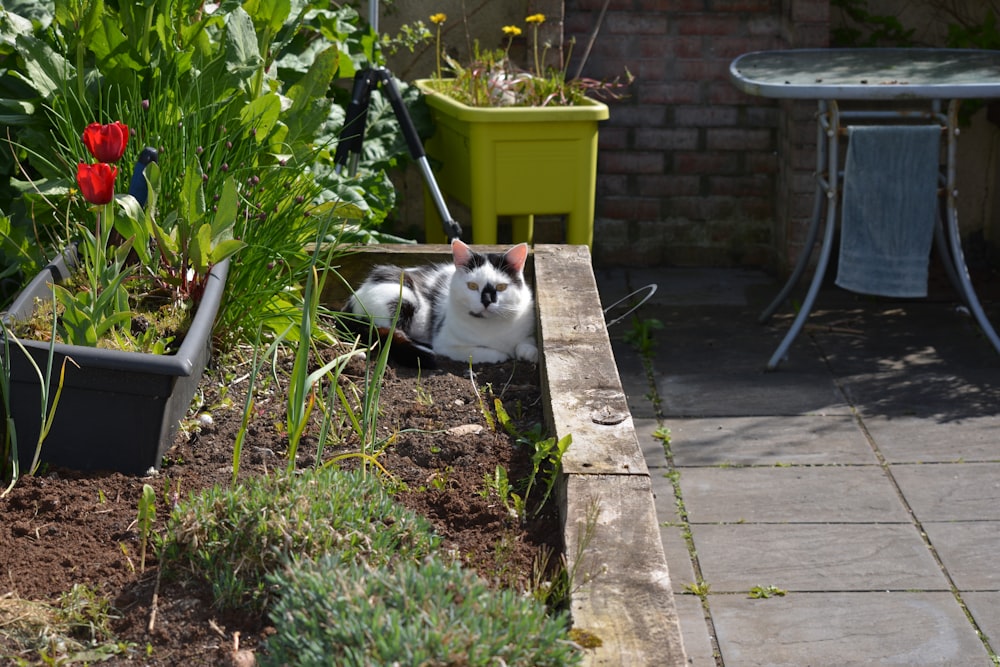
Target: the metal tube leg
pixel 813 233
pixel 961 268
pixel 817 281
pixel 829 140
pixel 944 251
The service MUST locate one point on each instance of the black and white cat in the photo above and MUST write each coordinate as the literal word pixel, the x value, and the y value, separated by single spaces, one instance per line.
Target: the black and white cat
pixel 477 308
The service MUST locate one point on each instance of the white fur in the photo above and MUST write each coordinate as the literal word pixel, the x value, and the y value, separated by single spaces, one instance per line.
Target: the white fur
pixel 471 331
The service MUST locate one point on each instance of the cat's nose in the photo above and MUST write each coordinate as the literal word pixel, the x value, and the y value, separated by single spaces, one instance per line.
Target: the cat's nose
pixel 488 297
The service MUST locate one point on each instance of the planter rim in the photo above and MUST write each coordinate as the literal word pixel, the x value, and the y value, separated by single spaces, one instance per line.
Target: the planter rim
pixel 590 110
pixel 178 363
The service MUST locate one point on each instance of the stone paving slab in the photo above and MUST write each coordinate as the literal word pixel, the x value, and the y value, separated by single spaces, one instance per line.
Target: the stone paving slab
pixel 768 440
pixel 816 557
pixel 652 447
pixel 854 494
pixel 708 340
pixel 970 551
pixel 633 378
pixel 697 641
pixel 675 548
pixel 925 336
pixel 925 386
pixel 846 630
pixel 910 439
pixel 985 608
pixel 944 393
pixel 951 492
pixel 750 394
pixel 686 286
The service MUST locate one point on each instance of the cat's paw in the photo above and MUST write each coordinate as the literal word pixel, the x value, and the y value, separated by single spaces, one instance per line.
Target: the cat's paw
pixel 526 351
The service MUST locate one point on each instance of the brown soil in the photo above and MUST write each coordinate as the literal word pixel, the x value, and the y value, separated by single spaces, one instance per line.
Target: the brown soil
pixel 63 528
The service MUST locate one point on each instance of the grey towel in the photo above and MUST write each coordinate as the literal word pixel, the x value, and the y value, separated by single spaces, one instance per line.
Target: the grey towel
pixel 889 209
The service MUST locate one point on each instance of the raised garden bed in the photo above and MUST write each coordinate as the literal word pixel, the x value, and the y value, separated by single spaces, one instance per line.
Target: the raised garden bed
pixel 625 598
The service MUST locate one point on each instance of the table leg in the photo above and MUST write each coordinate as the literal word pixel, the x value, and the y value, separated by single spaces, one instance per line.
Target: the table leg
pixel 827 146
pixel 813 233
pixel 955 241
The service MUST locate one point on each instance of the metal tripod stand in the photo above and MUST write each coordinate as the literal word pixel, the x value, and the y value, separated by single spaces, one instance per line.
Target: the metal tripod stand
pixel 353 134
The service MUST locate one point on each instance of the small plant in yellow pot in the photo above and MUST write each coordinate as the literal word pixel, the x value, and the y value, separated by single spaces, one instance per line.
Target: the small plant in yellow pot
pixel 510 142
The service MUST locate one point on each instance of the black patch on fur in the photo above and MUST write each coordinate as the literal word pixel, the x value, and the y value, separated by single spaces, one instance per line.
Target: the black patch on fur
pixel 403 350
pixel 498 261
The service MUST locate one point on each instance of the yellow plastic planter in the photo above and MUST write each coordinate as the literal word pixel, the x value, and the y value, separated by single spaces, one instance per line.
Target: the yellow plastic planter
pixel 514 161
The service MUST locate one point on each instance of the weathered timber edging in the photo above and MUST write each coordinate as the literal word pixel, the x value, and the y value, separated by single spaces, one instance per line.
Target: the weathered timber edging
pixel 626 598
pixel 623 593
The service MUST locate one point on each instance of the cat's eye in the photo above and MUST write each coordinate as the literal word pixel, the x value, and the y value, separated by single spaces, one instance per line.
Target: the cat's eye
pixel 501 287
pixel 473 286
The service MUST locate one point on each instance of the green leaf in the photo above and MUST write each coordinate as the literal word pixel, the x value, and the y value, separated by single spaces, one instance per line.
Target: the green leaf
pixel 269 14
pixel 261 114
pixel 225 213
pixel 192 197
pixel 200 248
pixel 44 69
pixel 310 106
pixel 242 54
pixel 225 249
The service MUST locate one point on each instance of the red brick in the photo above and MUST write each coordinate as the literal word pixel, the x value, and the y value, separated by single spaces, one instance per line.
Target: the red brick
pixel 632 24
pixel 753 185
pixel 808 35
pixel 646 6
pixel 738 139
pixel 667 185
pixel 632 115
pixel 724 92
pixel 705 116
pixel 631 162
pixel 671 47
pixel 611 137
pixel 702 70
pixel 669 93
pixel 810 11
pixel 747 6
pixel 762 162
pixel 701 208
pixel 582 6
pixel 706 163
pixel 708 24
pixel 766 26
pixel 734 46
pixel 630 208
pixel 666 139
pixel 612 185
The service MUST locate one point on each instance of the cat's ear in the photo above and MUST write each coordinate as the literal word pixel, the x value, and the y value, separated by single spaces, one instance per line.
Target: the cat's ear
pixel 516 256
pixel 461 252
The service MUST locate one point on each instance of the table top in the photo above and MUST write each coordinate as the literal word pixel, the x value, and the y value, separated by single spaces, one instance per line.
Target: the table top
pixel 868 74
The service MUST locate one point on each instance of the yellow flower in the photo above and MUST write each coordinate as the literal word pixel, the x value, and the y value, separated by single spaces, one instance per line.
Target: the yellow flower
pixel 511 30
pixel 536 18
pixel 439 18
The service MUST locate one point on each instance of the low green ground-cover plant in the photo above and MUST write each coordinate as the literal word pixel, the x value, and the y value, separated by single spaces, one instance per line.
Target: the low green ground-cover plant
pixel 428 612
pixel 234 537
pixel 73 630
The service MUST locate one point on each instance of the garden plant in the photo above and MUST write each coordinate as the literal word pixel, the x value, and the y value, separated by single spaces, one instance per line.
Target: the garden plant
pixel 240 106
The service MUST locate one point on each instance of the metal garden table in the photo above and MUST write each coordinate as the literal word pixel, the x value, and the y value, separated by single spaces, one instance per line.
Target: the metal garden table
pixel 919 82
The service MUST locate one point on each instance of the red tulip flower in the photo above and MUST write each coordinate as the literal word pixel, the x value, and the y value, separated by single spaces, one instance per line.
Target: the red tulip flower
pixel 97 182
pixel 106 142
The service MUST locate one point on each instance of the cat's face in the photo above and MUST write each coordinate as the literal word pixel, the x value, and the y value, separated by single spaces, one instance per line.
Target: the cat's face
pixel 489 286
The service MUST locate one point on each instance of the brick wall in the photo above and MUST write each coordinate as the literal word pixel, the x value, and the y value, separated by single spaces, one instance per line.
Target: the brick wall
pixel 689 170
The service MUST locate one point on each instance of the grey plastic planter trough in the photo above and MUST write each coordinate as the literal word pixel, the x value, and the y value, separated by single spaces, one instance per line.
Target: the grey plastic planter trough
pixel 119 411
